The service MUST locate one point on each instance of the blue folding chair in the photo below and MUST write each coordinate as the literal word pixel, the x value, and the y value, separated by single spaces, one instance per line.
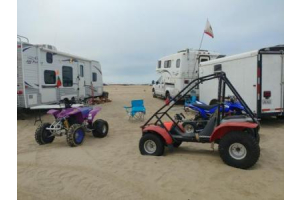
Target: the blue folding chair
pixel 136 111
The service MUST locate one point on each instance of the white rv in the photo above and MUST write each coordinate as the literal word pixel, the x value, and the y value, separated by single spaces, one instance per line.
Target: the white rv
pixel 177 70
pixel 257 75
pixel 46 76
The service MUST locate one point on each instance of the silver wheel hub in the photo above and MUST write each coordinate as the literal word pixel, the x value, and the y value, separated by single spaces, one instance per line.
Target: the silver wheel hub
pixel 150 146
pixel 237 151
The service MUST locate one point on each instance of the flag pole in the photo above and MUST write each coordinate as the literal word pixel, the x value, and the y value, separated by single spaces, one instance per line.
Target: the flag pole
pixel 201 41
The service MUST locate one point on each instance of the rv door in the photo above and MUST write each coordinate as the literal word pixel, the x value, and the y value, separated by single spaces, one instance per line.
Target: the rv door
pixel 81 80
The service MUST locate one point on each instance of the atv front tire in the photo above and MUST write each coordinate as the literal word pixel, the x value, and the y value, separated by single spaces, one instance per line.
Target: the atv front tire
pixel 43 136
pixel 151 144
pixel 239 149
pixel 100 128
pixel 75 135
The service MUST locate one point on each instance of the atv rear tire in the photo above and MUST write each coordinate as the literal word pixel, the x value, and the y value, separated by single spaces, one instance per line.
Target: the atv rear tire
pixel 151 144
pixel 100 128
pixel 43 136
pixel 239 149
pixel 75 135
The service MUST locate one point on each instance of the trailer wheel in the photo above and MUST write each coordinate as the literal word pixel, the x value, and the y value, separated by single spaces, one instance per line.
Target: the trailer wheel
pixel 75 135
pixel 151 144
pixel 239 149
pixel 43 136
pixel 167 95
pixel 100 128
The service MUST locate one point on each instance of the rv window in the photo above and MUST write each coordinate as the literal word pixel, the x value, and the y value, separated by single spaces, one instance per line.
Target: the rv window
pixel 67 76
pixel 49 77
pixel 218 67
pixel 159 64
pixel 167 64
pixel 49 57
pixel 178 63
pixel 94 77
pixel 81 70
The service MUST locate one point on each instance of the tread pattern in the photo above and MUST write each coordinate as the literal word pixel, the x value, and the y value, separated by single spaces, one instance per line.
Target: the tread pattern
pixel 251 144
pixel 70 135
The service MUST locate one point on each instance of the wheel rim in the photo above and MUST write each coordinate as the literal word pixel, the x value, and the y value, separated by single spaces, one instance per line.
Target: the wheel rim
pixel 237 151
pixel 189 128
pixel 79 134
pixel 150 146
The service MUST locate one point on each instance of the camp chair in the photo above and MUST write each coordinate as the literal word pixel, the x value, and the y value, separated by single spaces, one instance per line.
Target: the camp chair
pixel 136 111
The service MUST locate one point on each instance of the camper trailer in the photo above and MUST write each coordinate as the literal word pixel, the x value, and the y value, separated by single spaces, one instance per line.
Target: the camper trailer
pixel 177 70
pixel 46 75
pixel 258 76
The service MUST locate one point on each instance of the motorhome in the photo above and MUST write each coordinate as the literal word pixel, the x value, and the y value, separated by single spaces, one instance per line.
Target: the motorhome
pixel 258 76
pixel 177 70
pixel 46 75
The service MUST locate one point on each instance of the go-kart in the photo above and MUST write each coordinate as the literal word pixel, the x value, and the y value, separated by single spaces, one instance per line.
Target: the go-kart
pixel 237 136
pixel 72 122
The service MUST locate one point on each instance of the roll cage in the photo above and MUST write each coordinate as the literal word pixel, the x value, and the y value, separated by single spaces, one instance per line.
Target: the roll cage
pixel 223 81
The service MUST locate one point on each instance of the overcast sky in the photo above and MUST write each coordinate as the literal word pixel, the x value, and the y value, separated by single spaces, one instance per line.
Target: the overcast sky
pixel 129 36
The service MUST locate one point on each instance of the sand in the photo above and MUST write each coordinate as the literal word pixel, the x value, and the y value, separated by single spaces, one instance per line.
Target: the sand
pixel 112 167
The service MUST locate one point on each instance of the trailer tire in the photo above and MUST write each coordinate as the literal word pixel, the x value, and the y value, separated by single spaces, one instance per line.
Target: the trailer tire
pixel 151 144
pixel 239 149
pixel 100 128
pixel 167 96
pixel 75 135
pixel 42 135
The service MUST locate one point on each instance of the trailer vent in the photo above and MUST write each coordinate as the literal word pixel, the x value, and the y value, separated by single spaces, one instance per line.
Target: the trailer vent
pixel 218 68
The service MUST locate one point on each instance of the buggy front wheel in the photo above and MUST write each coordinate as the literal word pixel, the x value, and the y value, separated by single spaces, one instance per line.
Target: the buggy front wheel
pixel 75 135
pixel 151 144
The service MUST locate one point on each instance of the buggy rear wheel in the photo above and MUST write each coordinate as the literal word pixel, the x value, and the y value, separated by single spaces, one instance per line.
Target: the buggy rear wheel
pixel 151 144
pixel 75 135
pixel 239 149
pixel 42 135
pixel 100 128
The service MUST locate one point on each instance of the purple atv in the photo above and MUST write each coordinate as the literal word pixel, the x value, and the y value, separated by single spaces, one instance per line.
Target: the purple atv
pixel 72 122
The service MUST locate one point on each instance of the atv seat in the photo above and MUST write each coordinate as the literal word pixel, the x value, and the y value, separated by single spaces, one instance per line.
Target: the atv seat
pixel 207 131
pixel 236 118
pixel 205 107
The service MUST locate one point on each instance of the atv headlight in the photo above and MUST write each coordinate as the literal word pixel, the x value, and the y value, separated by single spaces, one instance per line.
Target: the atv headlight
pixel 90 117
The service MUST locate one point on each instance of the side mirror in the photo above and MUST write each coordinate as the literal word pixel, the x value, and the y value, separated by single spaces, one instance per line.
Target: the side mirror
pixel 153 82
pixel 156 82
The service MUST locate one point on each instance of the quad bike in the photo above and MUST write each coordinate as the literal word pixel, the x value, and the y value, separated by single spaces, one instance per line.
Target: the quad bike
pixel 204 112
pixel 237 136
pixel 72 122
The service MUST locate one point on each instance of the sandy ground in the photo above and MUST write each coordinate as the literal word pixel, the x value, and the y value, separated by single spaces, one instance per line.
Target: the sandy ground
pixel 112 167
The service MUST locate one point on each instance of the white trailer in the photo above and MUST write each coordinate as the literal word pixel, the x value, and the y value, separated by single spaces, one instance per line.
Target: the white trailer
pixel 257 75
pixel 41 69
pixel 177 70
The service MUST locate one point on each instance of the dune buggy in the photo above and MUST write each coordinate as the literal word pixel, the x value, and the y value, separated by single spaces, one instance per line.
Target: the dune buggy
pixel 72 122
pixel 237 136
